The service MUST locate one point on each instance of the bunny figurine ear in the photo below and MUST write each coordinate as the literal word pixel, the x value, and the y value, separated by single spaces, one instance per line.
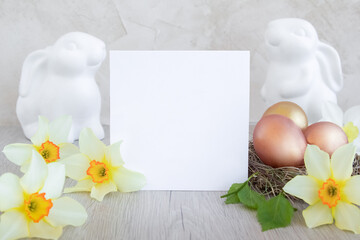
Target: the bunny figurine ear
pixel 34 68
pixel 330 66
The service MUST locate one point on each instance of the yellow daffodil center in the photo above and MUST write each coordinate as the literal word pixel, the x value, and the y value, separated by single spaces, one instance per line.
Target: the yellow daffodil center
pixel 98 171
pixel 329 193
pixel 351 131
pixel 49 151
pixel 37 206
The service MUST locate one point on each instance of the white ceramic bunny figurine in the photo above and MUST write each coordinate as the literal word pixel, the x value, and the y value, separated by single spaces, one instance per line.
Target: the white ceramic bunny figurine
pixel 59 80
pixel 302 69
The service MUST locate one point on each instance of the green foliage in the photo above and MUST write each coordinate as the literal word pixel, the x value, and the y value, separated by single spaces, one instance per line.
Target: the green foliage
pixel 250 198
pixel 273 213
pixel 232 195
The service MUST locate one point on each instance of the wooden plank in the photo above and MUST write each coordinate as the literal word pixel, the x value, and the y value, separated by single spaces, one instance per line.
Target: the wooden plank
pixel 170 214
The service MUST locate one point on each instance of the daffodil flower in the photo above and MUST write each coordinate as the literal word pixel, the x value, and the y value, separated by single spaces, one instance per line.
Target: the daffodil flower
pixel 348 121
pixel 99 169
pixel 32 206
pixel 329 188
pixel 51 141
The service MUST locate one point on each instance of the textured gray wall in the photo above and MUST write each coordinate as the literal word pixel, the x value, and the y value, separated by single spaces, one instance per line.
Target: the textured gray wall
pixel 171 24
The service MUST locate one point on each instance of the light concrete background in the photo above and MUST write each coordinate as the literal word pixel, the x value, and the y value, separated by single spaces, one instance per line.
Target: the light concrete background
pixel 172 25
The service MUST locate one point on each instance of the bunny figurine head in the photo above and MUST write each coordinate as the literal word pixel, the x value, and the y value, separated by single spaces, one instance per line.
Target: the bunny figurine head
pixel 301 68
pixel 75 52
pixel 60 80
pixel 290 39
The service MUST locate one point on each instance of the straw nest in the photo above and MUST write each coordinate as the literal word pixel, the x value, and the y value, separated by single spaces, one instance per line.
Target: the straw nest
pixel 270 181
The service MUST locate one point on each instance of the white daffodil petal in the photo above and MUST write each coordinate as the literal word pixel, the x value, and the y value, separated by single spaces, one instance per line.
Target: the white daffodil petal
pixel 304 187
pixel 25 166
pixel 331 112
pixel 347 217
pixel 356 143
pixel 127 180
pixel 18 153
pixel 42 133
pixel 55 180
pixel 67 150
pixel 342 162
pixel 44 230
pixel 353 115
pixel 91 145
pixel 113 155
pixel 59 129
pixel 34 178
pixel 76 166
pixel 351 190
pixel 101 189
pixel 317 163
pixel 66 211
pixel 11 193
pixel 82 186
pixel 13 225
pixel 317 214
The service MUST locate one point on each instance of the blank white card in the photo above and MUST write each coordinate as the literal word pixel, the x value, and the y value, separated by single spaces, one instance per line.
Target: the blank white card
pixel 183 116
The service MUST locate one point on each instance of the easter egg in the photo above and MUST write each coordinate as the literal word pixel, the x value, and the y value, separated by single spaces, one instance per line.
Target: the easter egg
pixel 326 135
pixel 290 110
pixel 279 142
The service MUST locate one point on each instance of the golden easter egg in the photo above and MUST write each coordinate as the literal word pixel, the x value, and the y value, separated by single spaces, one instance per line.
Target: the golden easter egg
pixel 279 142
pixel 290 110
pixel 326 135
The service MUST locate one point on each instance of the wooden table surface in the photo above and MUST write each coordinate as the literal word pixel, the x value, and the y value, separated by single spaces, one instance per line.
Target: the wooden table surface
pixel 170 214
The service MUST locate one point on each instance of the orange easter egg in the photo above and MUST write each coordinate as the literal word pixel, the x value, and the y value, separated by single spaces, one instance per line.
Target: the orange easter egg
pixel 326 135
pixel 279 142
pixel 290 110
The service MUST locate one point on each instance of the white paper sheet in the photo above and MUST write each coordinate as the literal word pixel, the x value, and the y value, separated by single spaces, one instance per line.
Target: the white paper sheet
pixel 183 116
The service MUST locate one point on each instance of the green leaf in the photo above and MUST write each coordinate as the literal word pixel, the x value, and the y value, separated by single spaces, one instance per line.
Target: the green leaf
pixel 250 198
pixel 275 213
pixel 232 193
pixel 232 199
